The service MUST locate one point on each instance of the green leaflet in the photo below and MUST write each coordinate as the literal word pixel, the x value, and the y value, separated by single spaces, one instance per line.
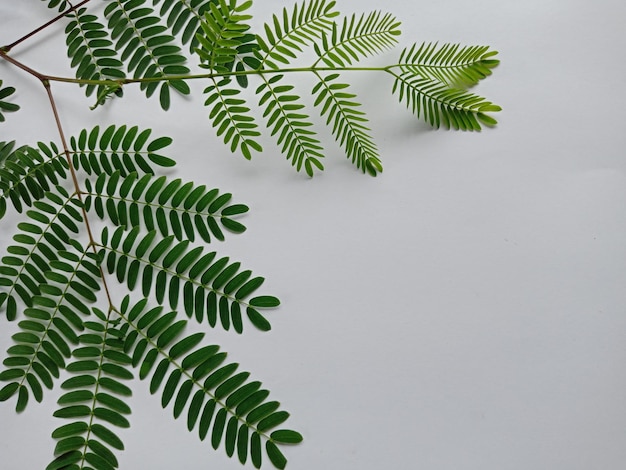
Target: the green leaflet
pixel 286 35
pixel 348 123
pixel 224 34
pixel 357 37
pixel 231 117
pixel 187 211
pixel 288 123
pixel 186 276
pixel 6 106
pixel 197 384
pixel 92 53
pixel 93 402
pixel 441 105
pixel 147 49
pixel 27 173
pixel 452 64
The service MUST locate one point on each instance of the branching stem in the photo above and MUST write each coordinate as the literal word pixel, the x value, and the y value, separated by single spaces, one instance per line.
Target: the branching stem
pixel 66 151
pixel 43 26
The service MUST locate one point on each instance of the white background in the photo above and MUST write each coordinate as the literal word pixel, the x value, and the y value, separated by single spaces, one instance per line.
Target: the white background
pixel 462 311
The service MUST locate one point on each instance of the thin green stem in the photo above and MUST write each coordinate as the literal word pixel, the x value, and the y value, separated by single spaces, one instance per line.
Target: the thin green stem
pixel 212 75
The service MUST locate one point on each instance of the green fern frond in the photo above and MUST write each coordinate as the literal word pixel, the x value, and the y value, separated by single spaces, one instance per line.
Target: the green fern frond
pixel 357 38
pixel 6 106
pixel 232 117
pixel 452 64
pixel 146 48
pixel 53 324
pixel 292 127
pixel 118 148
pixel 348 123
pixel 92 52
pixel 26 174
pixel 211 285
pixel 54 221
pixel 441 105
pixel 219 401
pixel 171 206
pixel 305 23
pixel 225 36
pixel 95 399
pixel 184 17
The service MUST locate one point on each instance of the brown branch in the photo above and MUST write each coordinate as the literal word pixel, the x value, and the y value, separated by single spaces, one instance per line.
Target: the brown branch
pixel 77 189
pixel 20 65
pixel 42 27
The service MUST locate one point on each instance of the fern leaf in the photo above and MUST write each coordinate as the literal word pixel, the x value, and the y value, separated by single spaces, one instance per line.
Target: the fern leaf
pixel 232 118
pixel 171 206
pixel 52 325
pixel 452 64
pixel 6 106
pixel 92 52
pixel 285 36
pixel 358 37
pixel 199 384
pixel 441 105
pixel 95 398
pixel 146 48
pixel 119 148
pixel 201 282
pixel 224 37
pixel 348 123
pixel 184 18
pixel 54 221
pixel 26 174
pixel 292 128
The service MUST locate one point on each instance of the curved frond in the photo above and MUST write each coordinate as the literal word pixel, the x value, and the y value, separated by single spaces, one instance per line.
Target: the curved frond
pixel 92 53
pixel 199 384
pixel 348 123
pixel 285 35
pixel 184 17
pixel 52 325
pixel 224 39
pixel 232 117
pixel 179 273
pixel 26 174
pixel 358 38
pixel 292 128
pixel 172 206
pixel 6 106
pixel 95 399
pixel 452 64
pixel 146 48
pixel 119 148
pixel 441 105
pixel 54 221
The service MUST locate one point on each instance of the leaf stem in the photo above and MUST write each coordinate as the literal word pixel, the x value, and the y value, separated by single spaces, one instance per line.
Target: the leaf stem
pixel 42 27
pixel 164 78
pixel 22 66
pixel 66 151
